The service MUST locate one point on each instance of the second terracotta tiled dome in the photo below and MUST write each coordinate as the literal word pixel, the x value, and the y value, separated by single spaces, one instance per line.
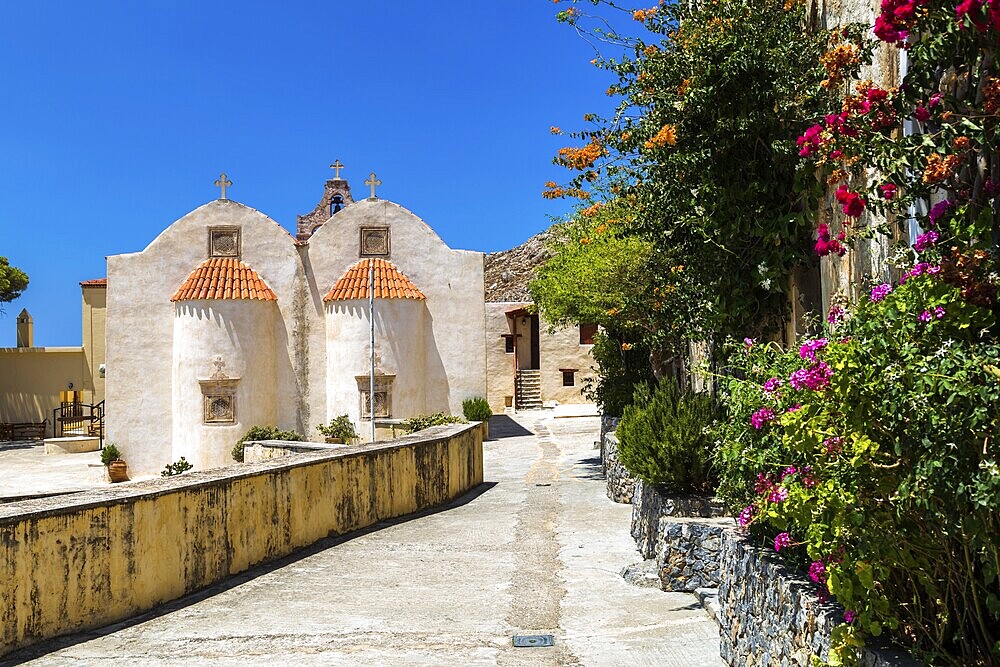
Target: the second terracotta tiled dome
pixel 390 283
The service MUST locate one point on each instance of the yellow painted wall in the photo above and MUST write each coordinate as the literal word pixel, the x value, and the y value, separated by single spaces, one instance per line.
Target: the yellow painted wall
pixel 95 308
pixel 103 556
pixel 32 377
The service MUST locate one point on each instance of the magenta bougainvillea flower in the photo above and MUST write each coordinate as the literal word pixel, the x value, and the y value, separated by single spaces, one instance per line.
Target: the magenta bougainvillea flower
pixel 815 377
pixel 879 292
pixel 809 349
pixel 761 418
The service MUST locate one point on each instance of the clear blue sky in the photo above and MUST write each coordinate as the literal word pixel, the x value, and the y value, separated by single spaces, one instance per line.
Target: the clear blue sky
pixel 117 117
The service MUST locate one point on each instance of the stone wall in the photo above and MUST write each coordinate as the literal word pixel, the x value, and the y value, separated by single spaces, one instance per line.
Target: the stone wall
pixel 770 614
pixel 85 560
pixel 621 483
pixel 682 533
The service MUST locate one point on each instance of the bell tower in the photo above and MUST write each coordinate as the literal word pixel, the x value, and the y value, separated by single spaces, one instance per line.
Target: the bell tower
pixel 336 196
pixel 25 329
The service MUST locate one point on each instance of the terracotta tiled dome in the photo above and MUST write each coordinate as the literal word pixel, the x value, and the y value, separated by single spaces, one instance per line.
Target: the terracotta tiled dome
pixel 224 278
pixel 390 283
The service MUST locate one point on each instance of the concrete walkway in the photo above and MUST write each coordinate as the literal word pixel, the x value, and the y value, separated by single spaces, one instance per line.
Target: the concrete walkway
pixel 536 550
pixel 28 471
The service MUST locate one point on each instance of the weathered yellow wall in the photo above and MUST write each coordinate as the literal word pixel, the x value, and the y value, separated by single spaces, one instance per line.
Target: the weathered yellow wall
pixel 32 377
pixel 103 556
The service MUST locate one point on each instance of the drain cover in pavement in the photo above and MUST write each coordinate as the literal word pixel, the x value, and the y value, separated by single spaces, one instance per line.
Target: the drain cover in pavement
pixel 531 641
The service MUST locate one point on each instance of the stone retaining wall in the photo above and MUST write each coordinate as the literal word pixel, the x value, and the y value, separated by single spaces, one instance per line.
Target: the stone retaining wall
pixel 650 505
pixel 770 614
pixel 621 483
pixel 88 559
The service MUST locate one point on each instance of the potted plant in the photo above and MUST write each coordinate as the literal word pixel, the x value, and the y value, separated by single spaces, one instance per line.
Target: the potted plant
pixel 111 457
pixel 340 430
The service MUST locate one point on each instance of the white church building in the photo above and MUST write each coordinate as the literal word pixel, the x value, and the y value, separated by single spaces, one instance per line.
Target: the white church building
pixel 226 321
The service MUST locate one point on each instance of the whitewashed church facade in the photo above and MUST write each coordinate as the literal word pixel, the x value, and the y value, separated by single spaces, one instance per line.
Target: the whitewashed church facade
pixel 226 321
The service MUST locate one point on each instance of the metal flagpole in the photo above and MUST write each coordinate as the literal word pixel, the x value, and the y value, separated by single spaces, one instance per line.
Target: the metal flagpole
pixel 371 343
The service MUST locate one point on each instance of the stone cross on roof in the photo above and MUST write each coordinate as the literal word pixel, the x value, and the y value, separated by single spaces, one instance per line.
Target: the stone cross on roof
pixel 336 166
pixel 223 183
pixel 372 181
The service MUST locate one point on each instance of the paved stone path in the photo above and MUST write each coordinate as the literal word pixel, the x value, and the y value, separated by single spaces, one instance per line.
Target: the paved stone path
pixel 29 471
pixel 538 549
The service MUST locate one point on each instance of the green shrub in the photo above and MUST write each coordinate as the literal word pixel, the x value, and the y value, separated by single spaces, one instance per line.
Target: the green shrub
pixel 263 433
pixel 420 422
pixel 476 409
pixel 665 437
pixel 110 453
pixel 339 427
pixel 176 468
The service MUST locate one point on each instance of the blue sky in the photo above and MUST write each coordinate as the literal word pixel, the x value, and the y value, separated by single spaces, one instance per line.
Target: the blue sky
pixel 118 117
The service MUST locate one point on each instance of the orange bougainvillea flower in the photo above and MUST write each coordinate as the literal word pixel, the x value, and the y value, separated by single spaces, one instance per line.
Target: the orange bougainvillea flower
pixel 940 167
pixel 627 346
pixel 651 50
pixel 581 158
pixel 644 14
pixel 555 130
pixel 666 135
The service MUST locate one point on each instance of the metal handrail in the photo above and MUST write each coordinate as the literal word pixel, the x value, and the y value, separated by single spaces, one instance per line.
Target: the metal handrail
pixel 78 415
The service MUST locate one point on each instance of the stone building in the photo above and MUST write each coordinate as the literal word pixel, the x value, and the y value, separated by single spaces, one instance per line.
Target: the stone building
pixel 529 363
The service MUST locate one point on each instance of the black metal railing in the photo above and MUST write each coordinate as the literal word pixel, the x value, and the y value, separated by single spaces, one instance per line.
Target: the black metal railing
pixel 81 419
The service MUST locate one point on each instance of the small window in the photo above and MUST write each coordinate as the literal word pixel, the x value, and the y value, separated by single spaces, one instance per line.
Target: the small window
pixel 587 332
pixel 569 378
pixel 508 343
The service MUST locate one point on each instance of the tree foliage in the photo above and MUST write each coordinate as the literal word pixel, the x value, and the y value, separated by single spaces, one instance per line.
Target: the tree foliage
pixel 13 281
pixel 699 151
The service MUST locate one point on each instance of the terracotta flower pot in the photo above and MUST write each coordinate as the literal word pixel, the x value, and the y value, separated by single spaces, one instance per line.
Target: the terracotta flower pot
pixel 118 471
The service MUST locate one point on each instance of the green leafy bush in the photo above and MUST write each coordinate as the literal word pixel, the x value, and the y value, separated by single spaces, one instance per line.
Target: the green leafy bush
pixel 178 467
pixel 420 422
pixel 110 453
pixel 665 438
pixel 339 427
pixel 263 433
pixel 476 409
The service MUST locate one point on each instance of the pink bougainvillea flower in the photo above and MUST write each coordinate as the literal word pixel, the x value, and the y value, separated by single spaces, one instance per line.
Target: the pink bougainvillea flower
pixel 922 114
pixel 938 211
pixel 763 484
pixel 939 312
pixel 925 241
pixel 746 516
pixel 849 616
pixel 836 314
pixel 817 572
pixel 879 292
pixel 809 349
pixel 779 494
pixel 826 245
pixel 761 418
pixel 772 385
pixel 888 190
pixel 924 316
pixel 815 377
pixel 781 541
pixel 852 202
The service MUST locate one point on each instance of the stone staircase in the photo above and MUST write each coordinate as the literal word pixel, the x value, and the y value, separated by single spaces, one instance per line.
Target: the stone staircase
pixel 528 390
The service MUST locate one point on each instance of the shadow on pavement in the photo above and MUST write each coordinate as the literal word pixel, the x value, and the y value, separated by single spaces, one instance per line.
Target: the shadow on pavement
pixel 51 645
pixel 502 426
pixel 589 468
